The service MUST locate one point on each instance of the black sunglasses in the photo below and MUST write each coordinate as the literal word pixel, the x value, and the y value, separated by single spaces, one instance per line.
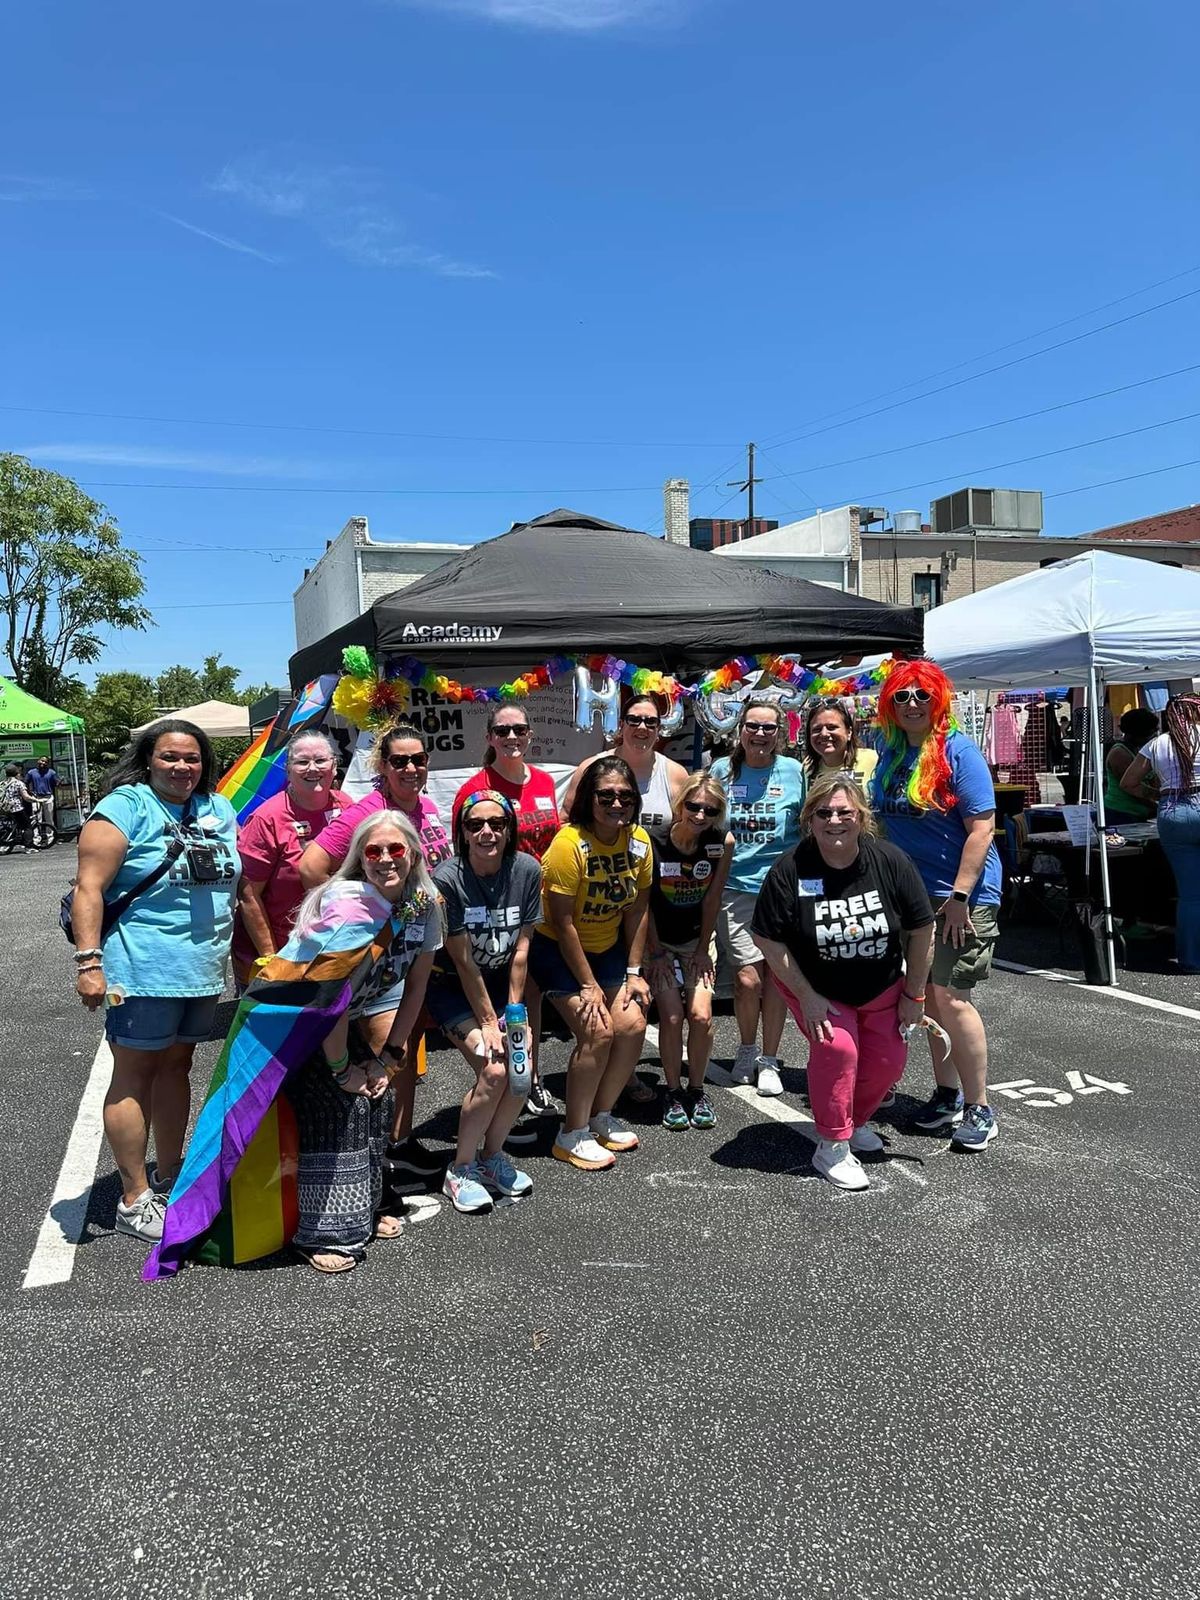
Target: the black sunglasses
pixel 829 813
pixel 477 824
pixel 615 797
pixel 698 810
pixel 919 696
pixel 398 763
pixel 637 720
pixel 517 729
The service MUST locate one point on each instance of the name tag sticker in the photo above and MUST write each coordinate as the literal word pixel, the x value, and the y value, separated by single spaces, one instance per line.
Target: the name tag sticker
pixel 670 869
pixel 637 849
pixel 543 802
pixel 475 916
pixel 738 791
pixel 811 888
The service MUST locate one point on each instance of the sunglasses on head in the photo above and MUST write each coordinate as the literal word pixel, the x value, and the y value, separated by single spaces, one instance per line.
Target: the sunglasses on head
pixel 393 852
pixel 699 810
pixel 919 697
pixel 615 797
pixel 835 813
pixel 515 730
pixel 637 720
pixel 477 824
pixel 398 763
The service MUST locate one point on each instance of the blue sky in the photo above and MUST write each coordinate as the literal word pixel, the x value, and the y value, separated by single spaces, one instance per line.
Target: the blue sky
pixel 503 255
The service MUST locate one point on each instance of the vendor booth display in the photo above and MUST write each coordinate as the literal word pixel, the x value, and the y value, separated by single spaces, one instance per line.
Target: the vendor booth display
pixel 1090 621
pixel 217 718
pixel 30 728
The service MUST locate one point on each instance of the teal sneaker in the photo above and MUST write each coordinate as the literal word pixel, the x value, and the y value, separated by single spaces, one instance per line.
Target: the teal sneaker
pixel 978 1129
pixel 501 1177
pixel 675 1114
pixel 703 1115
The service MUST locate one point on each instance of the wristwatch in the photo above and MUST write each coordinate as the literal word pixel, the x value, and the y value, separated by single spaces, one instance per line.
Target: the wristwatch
pixel 633 972
pixel 960 895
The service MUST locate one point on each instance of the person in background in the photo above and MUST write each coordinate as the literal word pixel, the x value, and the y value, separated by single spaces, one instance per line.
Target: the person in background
pixel 659 780
pixel 402 769
pixel 341 1096
pixel 1137 727
pixel 1174 759
pixel 691 863
pixel 933 793
pixel 765 791
pixel 847 930
pixel 535 801
pixel 271 842
pixel 16 803
pixel 492 901
pixel 830 742
pixel 586 955
pixel 42 781
pixel 165 957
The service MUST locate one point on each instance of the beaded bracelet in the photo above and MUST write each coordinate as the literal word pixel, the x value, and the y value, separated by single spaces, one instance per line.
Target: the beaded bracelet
pixel 86 955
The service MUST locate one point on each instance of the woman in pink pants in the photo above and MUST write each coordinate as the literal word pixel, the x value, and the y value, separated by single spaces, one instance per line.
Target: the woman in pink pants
pixel 847 929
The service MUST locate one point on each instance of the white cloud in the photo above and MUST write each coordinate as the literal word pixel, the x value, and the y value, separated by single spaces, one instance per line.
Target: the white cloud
pixel 124 455
pixel 219 238
pixel 342 206
pixel 564 16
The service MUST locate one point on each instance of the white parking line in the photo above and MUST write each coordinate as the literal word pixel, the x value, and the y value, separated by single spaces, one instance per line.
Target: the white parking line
pixel 1111 991
pixel 53 1258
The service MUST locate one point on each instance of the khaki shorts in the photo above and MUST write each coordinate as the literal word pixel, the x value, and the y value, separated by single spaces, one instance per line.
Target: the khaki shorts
pixel 964 966
pixel 733 928
pixel 683 952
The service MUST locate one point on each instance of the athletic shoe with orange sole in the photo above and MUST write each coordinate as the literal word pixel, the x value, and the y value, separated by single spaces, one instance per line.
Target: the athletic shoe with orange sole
pixel 612 1133
pixel 581 1150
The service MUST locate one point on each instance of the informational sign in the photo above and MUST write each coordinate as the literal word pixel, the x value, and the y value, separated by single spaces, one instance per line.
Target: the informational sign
pixel 1079 824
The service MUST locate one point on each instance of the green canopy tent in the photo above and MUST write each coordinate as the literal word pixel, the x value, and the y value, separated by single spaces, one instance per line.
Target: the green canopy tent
pixel 30 728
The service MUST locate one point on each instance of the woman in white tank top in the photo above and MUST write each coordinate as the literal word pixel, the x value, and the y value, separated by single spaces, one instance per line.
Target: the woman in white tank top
pixel 659 780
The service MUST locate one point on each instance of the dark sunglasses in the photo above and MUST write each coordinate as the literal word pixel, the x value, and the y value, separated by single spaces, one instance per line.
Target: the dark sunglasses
pixel 615 797
pixel 518 730
pixel 698 810
pixel 918 696
pixel 761 727
pixel 637 720
pixel 832 813
pixel 398 763
pixel 477 824
pixel 376 852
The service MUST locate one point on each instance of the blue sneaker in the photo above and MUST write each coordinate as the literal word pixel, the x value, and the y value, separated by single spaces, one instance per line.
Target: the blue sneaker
pixel 501 1177
pixel 943 1109
pixel 978 1129
pixel 464 1187
pixel 675 1114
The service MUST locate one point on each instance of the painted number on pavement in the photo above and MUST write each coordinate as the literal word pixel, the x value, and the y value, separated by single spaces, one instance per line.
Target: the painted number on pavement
pixel 1037 1094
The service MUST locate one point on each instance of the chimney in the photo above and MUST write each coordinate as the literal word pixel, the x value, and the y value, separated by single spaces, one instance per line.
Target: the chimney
pixel 675 510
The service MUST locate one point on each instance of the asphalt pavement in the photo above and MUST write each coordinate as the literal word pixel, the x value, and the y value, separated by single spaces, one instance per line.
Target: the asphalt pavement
pixel 703 1374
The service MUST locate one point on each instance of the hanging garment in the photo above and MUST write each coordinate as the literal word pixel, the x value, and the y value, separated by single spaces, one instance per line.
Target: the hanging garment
pixel 1001 738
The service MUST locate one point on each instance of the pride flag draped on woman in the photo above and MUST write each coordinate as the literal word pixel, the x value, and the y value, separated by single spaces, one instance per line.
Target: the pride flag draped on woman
pixel 283 1017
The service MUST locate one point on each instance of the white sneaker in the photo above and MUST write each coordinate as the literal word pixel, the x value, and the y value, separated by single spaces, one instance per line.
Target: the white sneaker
pixel 745 1064
pixel 834 1160
pixel 581 1150
pixel 144 1218
pixel 865 1141
pixel 612 1133
pixel 770 1083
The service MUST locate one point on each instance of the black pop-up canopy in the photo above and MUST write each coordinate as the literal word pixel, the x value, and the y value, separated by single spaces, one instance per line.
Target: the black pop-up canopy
pixel 567 583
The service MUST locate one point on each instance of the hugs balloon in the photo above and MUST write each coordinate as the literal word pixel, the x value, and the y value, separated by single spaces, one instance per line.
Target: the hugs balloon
pixel 588 701
pixel 673 721
pixel 718 713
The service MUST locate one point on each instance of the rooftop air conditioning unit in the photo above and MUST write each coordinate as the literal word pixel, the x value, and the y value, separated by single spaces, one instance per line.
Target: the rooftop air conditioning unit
pixel 988 511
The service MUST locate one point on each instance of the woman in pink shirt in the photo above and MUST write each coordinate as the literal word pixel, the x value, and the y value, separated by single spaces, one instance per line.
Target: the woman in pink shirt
pixel 402 764
pixel 271 843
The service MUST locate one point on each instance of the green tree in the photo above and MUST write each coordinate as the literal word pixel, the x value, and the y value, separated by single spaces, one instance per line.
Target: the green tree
pixel 179 686
pixel 219 682
pixel 116 703
pixel 64 576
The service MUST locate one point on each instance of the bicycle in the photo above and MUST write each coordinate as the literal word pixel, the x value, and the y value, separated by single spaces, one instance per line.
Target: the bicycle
pixel 15 831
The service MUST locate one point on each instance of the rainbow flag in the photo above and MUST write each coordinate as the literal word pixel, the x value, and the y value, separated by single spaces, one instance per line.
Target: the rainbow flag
pixel 283 1017
pixel 259 772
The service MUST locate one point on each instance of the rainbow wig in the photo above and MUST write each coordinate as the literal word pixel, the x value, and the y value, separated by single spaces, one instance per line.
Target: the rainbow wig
pixel 929 783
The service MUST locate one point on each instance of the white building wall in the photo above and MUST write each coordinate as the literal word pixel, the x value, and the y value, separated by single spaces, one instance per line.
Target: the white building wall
pixel 385 570
pixel 328 596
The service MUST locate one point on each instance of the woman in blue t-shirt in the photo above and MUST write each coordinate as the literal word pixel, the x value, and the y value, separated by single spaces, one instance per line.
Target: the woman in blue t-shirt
pixel 162 965
pixel 765 790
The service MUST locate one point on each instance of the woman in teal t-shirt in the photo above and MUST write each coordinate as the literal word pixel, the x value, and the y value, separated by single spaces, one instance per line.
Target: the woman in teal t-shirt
pixel 765 790
pixel 166 955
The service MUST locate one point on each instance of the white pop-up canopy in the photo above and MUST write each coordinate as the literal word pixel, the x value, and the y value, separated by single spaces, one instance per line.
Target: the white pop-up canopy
pixel 1123 618
pixel 217 718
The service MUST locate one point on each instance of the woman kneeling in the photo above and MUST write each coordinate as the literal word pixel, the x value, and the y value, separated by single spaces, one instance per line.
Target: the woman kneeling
pixel 492 902
pixel 840 919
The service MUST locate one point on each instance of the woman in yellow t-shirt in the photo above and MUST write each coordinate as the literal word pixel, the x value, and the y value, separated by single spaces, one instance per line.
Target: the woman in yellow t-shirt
pixel 586 954
pixel 830 744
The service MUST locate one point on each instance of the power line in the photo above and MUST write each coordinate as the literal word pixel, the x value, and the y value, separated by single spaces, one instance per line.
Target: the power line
pixel 1129 477
pixel 997 466
pixel 984 427
pixel 999 349
pixel 287 488
pixel 987 372
pixel 791 476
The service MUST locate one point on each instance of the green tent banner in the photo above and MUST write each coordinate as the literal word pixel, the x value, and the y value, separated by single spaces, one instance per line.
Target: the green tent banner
pixel 24 713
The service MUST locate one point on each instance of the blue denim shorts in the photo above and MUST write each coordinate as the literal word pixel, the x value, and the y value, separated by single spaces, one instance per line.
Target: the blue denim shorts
pixel 554 977
pixel 152 1022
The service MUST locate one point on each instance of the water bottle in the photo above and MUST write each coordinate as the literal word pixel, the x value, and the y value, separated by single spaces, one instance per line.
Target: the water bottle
pixel 520 1061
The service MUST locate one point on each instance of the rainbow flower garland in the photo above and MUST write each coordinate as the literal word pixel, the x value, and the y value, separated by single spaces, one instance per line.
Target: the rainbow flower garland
pixel 368 699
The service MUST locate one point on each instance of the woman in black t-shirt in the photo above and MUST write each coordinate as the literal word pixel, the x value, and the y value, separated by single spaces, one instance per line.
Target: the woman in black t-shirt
pixel 691 863
pixel 847 930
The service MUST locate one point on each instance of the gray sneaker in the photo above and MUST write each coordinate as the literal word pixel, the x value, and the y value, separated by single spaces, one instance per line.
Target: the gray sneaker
pixel 144 1218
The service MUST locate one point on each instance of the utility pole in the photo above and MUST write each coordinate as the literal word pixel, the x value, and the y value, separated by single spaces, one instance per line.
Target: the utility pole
pixel 748 487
